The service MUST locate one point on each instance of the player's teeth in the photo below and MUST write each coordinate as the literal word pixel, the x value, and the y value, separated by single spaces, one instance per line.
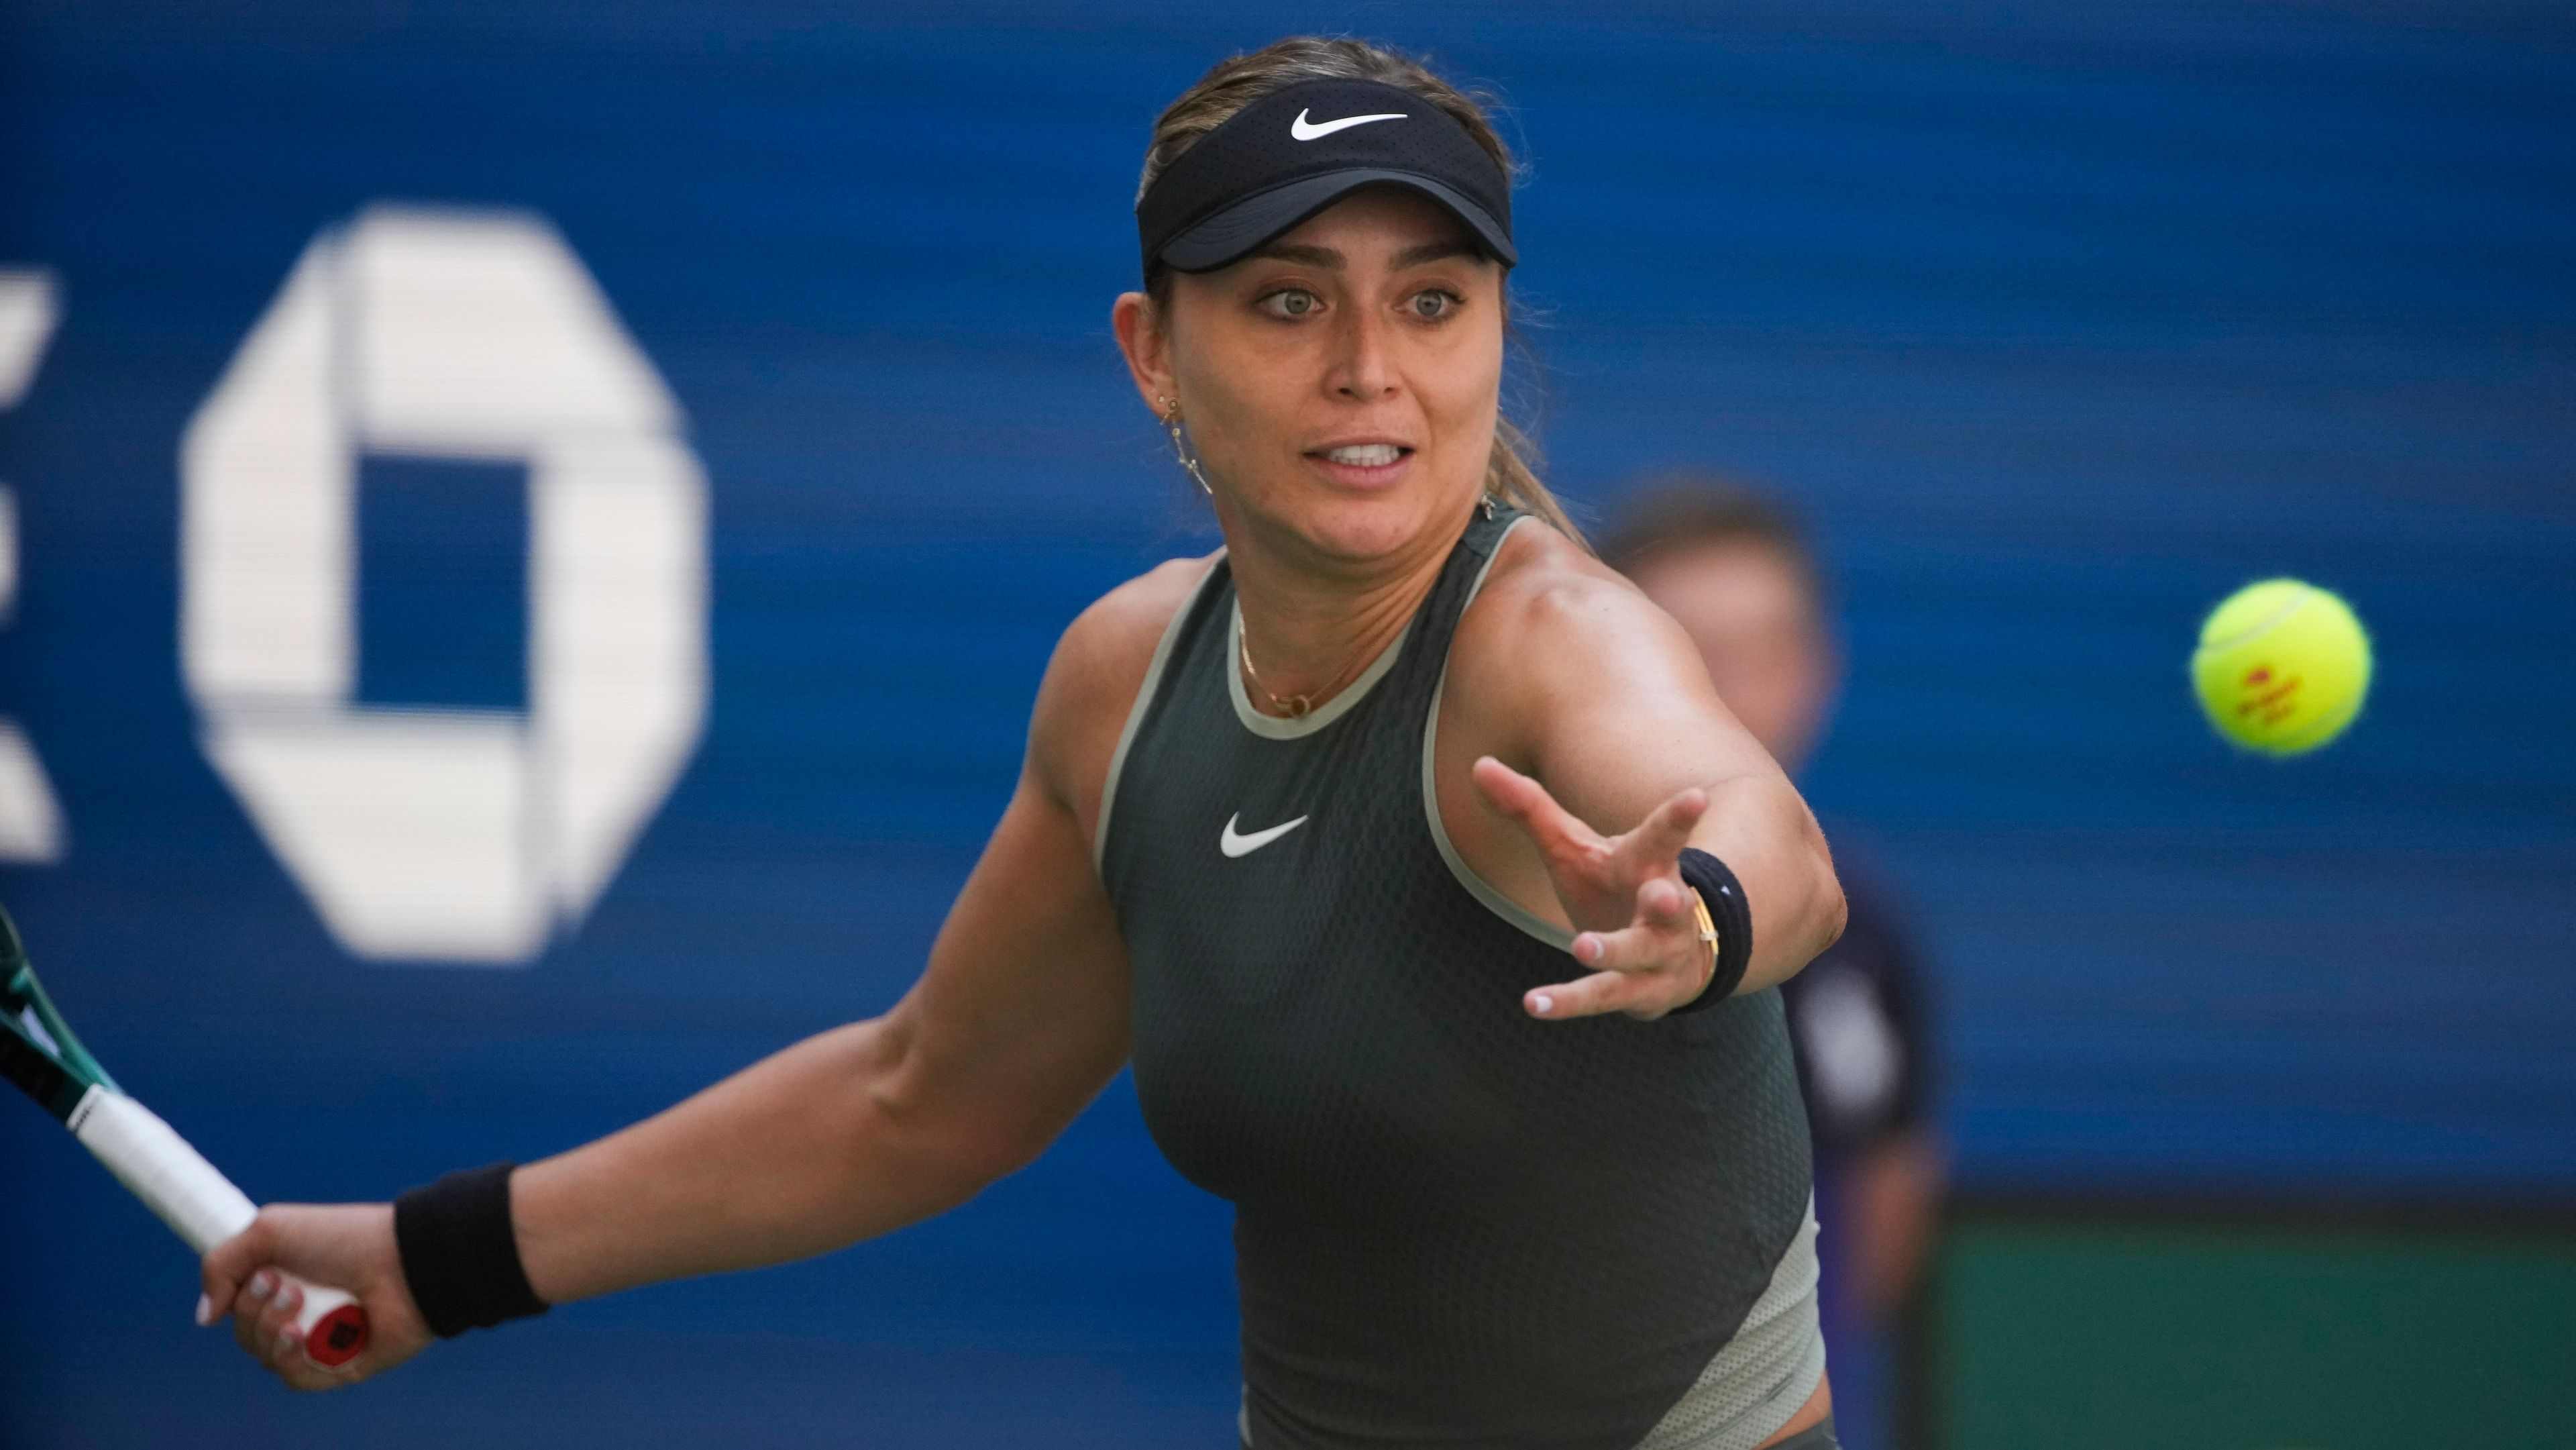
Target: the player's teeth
pixel 1365 455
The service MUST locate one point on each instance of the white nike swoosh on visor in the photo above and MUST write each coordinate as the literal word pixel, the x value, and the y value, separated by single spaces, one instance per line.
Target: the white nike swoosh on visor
pixel 1236 845
pixel 1303 131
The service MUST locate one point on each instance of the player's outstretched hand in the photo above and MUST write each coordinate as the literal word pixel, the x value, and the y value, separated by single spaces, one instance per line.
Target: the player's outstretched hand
pixel 1632 914
pixel 351 1245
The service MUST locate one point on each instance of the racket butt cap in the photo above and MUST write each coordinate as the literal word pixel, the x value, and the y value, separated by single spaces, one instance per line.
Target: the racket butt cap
pixel 338 1336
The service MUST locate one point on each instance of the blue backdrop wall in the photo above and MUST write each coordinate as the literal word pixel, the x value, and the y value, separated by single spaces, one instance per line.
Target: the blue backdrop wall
pixel 2058 321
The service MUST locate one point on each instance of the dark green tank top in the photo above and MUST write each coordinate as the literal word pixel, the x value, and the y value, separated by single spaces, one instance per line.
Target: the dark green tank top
pixel 1455 1225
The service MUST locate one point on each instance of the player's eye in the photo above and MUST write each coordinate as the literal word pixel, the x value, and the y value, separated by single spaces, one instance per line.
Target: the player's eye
pixel 1291 303
pixel 1433 304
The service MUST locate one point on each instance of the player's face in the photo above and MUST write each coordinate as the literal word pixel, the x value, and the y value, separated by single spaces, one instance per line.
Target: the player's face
pixel 1767 652
pixel 1341 384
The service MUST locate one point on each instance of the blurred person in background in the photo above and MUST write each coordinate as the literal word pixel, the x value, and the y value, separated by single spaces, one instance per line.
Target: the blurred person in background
pixel 1737 571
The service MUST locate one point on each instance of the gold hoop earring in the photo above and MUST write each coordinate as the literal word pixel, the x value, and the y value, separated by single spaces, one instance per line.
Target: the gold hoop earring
pixel 1181 444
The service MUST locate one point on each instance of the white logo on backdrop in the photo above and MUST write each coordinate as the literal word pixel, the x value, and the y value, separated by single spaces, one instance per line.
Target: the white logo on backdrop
pixel 31 823
pixel 434 834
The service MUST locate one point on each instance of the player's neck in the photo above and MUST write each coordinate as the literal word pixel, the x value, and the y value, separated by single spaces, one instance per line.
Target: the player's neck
pixel 1312 626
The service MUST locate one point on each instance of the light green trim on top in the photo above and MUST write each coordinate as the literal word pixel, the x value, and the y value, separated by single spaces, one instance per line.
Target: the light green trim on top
pixel 1759 1379
pixel 1275 727
pixel 1477 887
pixel 1136 711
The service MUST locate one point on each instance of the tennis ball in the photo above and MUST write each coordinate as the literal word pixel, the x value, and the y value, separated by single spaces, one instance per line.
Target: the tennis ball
pixel 2282 667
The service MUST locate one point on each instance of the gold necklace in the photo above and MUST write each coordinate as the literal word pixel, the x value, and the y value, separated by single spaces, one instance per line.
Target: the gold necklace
pixel 1295 707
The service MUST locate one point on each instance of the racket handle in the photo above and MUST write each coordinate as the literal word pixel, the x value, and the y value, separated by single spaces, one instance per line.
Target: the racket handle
pixel 332 1325
pixel 203 1207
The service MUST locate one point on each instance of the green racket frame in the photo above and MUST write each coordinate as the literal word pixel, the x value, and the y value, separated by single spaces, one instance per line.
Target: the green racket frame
pixel 40 1053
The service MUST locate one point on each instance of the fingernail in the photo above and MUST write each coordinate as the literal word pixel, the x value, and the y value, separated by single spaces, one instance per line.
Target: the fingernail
pixel 1543 1004
pixel 286 1340
pixel 205 1311
pixel 262 1284
pixel 1589 949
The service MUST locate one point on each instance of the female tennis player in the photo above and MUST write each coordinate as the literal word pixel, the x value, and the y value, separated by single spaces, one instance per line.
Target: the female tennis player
pixel 1401 845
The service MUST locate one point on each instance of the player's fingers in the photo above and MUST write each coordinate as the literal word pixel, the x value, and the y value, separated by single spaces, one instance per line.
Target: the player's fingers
pixel 279 1317
pixel 1658 840
pixel 267 1332
pixel 1655 938
pixel 287 1359
pixel 303 1374
pixel 254 1295
pixel 1591 996
pixel 1557 831
pixel 247 1303
pixel 1645 947
pixel 1664 903
pixel 290 1359
pixel 226 1270
pixel 256 1312
pixel 264 1319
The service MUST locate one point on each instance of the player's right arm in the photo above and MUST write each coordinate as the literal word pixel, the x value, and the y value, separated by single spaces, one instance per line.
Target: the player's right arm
pixel 1018 1022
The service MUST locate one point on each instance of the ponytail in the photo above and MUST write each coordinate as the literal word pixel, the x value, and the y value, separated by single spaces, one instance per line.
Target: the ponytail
pixel 1511 476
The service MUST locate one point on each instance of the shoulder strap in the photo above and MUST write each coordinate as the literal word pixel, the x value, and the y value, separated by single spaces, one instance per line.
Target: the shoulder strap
pixel 1214 589
pixel 1427 652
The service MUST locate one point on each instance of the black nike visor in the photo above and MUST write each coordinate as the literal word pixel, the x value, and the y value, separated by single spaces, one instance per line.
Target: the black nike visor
pixel 1303 147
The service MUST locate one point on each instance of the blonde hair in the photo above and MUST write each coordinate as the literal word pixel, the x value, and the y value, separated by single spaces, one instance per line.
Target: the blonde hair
pixel 1511 470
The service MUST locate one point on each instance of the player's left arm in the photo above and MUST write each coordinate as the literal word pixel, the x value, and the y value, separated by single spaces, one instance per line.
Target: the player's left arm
pixel 1615 752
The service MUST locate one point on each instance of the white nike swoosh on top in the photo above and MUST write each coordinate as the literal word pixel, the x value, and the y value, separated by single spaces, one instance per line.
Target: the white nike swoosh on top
pixel 1235 845
pixel 1304 131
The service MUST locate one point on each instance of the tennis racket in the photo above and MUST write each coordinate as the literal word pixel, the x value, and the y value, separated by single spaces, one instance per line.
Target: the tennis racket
pixel 41 1057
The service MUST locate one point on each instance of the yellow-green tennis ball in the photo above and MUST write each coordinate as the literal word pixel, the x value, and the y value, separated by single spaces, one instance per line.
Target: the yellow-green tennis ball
pixel 2282 667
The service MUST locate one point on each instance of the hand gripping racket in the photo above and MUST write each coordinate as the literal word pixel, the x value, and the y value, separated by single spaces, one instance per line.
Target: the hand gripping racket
pixel 39 1054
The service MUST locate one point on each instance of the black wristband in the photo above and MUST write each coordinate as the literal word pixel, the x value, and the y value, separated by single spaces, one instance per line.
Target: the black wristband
pixel 460 1254
pixel 1717 886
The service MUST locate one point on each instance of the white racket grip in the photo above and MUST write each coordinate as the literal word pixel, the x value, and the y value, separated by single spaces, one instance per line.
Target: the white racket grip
pixel 157 1165
pixel 197 1201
